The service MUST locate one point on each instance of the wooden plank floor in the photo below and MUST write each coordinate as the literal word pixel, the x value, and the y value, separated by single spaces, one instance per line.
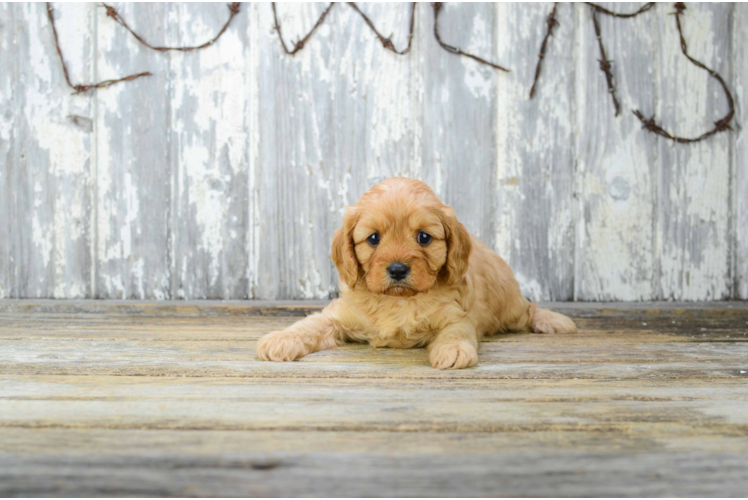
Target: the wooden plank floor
pixel 153 399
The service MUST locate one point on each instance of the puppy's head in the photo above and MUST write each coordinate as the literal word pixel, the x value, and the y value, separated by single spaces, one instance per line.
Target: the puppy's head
pixel 400 239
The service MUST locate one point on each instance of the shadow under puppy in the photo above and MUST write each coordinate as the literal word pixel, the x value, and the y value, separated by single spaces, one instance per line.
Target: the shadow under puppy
pixel 411 276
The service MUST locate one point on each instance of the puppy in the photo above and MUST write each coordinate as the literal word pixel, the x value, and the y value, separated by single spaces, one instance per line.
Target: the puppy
pixel 412 276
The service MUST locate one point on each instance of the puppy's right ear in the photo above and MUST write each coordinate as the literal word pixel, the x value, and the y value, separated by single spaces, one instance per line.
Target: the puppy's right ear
pixel 343 252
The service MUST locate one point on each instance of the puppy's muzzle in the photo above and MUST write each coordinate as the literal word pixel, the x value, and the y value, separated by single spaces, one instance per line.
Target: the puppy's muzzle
pixel 398 271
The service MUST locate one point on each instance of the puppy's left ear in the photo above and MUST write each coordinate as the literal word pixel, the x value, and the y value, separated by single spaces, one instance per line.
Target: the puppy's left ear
pixel 343 252
pixel 458 247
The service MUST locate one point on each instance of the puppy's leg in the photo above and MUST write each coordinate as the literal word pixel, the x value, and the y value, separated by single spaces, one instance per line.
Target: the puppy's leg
pixel 455 347
pixel 313 333
pixel 547 321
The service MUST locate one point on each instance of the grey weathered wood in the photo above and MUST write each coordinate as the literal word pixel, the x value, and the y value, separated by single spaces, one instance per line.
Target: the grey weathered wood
pixel 8 88
pixel 205 442
pixel 459 117
pixel 225 173
pixel 449 474
pixel 739 158
pixel 84 413
pixel 323 475
pixel 50 173
pixel 692 203
pixel 134 168
pixel 313 160
pixel 296 177
pixel 616 162
pixel 167 340
pixel 536 212
pixel 374 405
pixel 652 310
pixel 210 144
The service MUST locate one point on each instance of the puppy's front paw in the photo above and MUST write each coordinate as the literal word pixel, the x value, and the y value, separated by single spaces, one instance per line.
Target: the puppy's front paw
pixel 453 356
pixel 281 346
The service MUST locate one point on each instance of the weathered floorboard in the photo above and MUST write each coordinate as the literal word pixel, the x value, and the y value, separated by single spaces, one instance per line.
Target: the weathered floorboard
pixel 739 157
pixel 133 172
pixel 617 163
pixel 453 473
pixel 51 158
pixel 312 161
pixel 8 87
pixel 339 404
pixel 297 178
pixel 112 398
pixel 692 204
pixel 535 216
pixel 459 112
pixel 211 146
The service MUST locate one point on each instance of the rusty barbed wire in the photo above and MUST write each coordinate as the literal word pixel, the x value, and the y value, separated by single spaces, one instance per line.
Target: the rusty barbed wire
pixel 82 87
pixel 437 6
pixel 605 64
pixel 299 44
pixel 720 125
pixel 551 23
pixel 112 12
pixel 387 42
pixel 603 10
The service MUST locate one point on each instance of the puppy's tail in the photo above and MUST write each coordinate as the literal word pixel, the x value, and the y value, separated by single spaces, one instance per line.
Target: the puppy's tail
pixel 547 321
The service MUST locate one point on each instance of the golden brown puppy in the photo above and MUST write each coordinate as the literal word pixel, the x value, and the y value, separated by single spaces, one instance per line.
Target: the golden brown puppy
pixel 412 276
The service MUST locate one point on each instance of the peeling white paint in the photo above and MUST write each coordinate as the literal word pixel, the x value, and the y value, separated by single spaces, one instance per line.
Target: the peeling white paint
pixel 477 76
pixel 694 258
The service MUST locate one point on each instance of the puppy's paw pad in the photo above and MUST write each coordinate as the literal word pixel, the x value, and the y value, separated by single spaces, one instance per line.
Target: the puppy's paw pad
pixel 280 346
pixel 453 356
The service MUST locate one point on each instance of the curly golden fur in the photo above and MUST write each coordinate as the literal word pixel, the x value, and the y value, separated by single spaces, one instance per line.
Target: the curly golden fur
pixel 456 291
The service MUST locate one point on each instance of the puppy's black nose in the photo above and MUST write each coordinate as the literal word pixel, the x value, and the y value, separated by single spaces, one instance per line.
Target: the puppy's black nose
pixel 398 271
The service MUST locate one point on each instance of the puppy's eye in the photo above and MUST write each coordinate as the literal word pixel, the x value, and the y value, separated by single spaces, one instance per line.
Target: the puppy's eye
pixel 373 239
pixel 424 238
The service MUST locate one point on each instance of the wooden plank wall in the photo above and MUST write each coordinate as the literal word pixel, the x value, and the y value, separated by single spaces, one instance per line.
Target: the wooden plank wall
pixel 225 173
pixel 739 158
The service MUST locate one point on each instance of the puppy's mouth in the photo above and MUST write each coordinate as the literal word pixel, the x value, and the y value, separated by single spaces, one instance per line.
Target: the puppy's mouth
pixel 400 290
